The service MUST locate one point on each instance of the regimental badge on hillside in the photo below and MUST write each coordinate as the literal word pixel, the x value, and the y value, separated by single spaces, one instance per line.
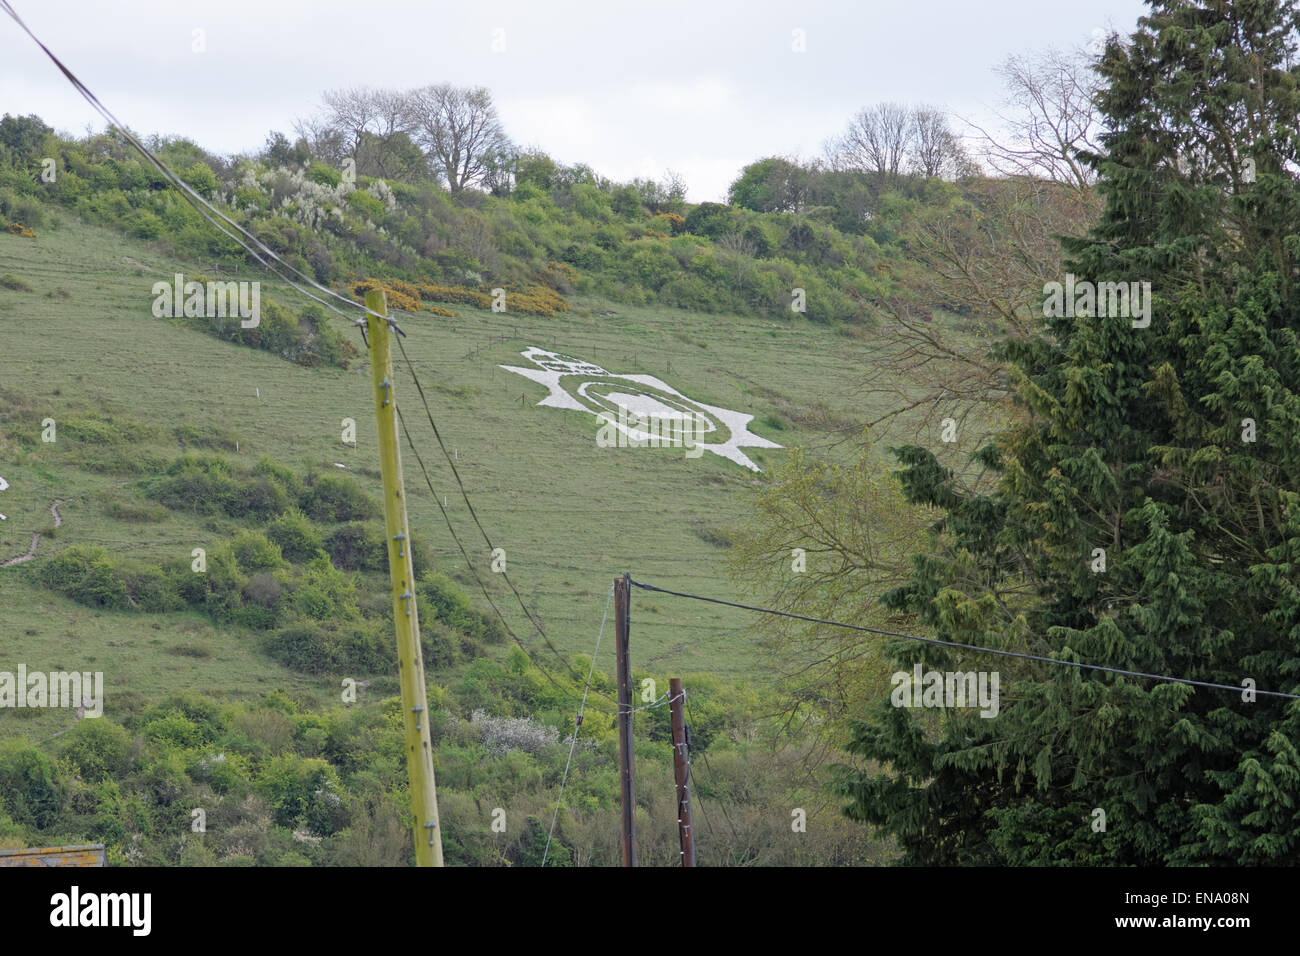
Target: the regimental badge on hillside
pixel 636 405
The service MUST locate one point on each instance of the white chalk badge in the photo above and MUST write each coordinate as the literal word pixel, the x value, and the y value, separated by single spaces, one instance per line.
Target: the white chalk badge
pixel 622 399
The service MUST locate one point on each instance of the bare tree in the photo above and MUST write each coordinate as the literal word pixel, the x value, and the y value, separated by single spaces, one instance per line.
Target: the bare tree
pixel 877 140
pixel 936 150
pixel 1049 117
pixel 357 121
pixel 984 260
pixel 459 130
pixel 357 111
pixel 324 142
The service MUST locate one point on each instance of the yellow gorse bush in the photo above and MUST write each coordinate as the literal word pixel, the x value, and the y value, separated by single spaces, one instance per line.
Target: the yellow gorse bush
pixel 406 296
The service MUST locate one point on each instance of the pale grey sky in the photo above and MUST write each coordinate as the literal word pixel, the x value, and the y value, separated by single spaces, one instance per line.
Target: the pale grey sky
pixel 699 87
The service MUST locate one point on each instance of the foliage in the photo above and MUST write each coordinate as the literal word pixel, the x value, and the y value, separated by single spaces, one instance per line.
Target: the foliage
pixel 1136 453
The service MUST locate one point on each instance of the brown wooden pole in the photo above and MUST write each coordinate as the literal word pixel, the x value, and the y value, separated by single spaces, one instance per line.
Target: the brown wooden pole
pixel 625 763
pixel 681 770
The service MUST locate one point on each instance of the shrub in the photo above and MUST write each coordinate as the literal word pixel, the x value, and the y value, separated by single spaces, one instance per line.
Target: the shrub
pixel 200 484
pixel 450 605
pixel 150 590
pixel 97 748
pixel 325 593
pixel 296 536
pixel 358 547
pixel 303 647
pixel 302 789
pixel 146 225
pixel 201 179
pixel 263 590
pixel 32 792
pixel 337 498
pixel 711 220
pixel 324 175
pixel 86 574
pixel 173 731
pixel 502 734
pixel 259 498
pixel 282 476
pixel 255 553
pixel 366 648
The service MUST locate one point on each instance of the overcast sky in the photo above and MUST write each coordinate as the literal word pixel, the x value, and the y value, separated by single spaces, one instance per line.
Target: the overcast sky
pixel 699 87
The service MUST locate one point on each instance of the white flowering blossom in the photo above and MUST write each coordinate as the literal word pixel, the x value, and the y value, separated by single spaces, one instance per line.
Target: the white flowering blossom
pixel 384 193
pixel 302 200
pixel 503 734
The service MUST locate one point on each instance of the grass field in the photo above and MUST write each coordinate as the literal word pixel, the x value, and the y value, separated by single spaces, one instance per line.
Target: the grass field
pixel 570 515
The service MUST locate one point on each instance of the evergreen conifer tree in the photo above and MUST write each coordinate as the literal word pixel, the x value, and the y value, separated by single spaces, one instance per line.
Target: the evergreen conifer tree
pixel 1175 449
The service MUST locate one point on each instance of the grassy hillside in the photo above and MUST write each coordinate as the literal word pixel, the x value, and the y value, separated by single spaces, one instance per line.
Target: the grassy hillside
pixel 569 514
pixel 130 394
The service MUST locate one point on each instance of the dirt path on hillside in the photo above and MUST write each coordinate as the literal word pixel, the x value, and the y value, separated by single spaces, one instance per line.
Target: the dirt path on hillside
pixel 36 538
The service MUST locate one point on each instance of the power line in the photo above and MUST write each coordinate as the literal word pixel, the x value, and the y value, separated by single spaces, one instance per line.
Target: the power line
pixel 968 647
pixel 577 724
pixel 266 256
pixel 470 563
pixel 262 253
pixel 474 514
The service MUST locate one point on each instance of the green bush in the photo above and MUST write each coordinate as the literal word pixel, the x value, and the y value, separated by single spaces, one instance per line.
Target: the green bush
pixel 711 220
pixel 88 575
pixel 24 210
pixel 254 552
pixel 367 205
pixel 450 605
pixel 366 649
pixel 302 790
pixel 201 179
pixel 303 647
pixel 324 175
pixel 173 731
pixel 146 225
pixel 282 476
pixel 97 748
pixel 296 536
pixel 199 484
pixel 325 593
pixel 150 589
pixel 29 786
pixel 358 547
pixel 335 498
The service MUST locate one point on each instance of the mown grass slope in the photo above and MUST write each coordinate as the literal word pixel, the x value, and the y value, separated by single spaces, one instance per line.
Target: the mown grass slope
pixel 83 347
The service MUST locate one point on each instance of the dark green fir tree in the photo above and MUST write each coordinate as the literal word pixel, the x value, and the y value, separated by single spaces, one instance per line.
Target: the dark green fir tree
pixel 1147 514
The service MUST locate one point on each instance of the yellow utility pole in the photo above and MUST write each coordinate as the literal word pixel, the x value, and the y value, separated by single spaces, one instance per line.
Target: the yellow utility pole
pixel 410 662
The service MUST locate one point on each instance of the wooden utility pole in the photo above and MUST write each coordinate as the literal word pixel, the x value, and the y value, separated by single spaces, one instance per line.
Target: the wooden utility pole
pixel 625 766
pixel 410 662
pixel 681 770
